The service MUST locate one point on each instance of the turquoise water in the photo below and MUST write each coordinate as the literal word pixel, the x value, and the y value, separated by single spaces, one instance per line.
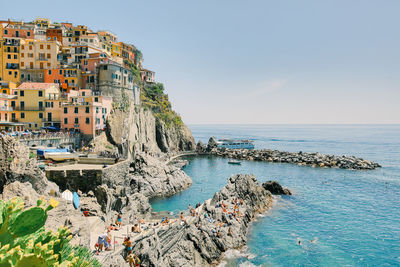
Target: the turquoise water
pixel 354 215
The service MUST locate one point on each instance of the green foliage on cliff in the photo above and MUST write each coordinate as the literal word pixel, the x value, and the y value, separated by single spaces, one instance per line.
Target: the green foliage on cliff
pixel 154 98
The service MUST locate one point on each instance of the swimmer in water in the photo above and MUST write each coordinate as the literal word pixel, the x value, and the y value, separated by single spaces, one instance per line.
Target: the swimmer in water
pixel 299 241
pixel 314 240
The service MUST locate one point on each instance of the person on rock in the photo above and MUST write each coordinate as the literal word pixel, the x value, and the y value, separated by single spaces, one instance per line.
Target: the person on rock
pixel 183 220
pixel 133 260
pixel 118 222
pixel 128 245
pixel 136 229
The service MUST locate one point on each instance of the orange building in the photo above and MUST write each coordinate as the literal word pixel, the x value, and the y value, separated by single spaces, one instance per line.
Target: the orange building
pixel 18 30
pixel 55 34
pixel 69 79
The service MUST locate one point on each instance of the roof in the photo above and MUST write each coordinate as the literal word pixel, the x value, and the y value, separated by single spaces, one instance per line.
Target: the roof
pixel 28 85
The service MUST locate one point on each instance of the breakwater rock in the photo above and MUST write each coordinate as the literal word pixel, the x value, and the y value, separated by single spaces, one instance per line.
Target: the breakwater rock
pixel 275 188
pixel 216 226
pixel 299 158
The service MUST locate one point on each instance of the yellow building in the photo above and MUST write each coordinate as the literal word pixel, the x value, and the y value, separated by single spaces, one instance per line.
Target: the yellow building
pixel 116 50
pixel 37 54
pixel 30 107
pixel 10 64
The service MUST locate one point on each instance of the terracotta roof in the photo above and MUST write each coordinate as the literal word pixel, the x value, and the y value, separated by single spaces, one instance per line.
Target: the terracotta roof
pixel 28 85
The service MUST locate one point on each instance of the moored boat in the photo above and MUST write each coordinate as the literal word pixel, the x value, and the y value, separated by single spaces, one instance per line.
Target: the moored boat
pixel 236 162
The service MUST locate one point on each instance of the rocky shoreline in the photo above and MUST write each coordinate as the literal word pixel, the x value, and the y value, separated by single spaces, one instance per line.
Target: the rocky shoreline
pixel 213 229
pixel 299 158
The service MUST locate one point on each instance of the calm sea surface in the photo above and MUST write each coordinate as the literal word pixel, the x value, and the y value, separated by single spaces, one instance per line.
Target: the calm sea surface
pixel 354 216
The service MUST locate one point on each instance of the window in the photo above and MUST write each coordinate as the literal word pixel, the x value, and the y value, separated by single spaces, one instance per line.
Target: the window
pixel 22 105
pixel 9 56
pixel 22 64
pixel 76 120
pixel 87 121
pixel 4 91
pixel 65 120
pixel 30 47
pixel 76 110
pixel 87 109
pixel 48 55
pixel 48 47
pixel 13 104
pixel 65 110
pixel 15 56
pixel 22 54
pixel 5 31
pixel 40 93
pixel 83 93
pixel 40 115
pixel 60 72
pixel 35 125
pixel 41 46
pixel 28 33
pixel 97 109
pixel 49 72
pixel 22 115
pixel 40 105
pixel 96 99
pixel 21 93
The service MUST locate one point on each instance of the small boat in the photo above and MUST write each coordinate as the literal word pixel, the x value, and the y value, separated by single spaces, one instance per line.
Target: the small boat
pixel 75 200
pixel 234 162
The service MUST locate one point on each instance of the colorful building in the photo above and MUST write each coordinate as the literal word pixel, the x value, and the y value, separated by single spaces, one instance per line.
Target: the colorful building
pixel 68 79
pixel 10 64
pixel 18 30
pixel 86 112
pixel 36 54
pixel 148 76
pixel 30 105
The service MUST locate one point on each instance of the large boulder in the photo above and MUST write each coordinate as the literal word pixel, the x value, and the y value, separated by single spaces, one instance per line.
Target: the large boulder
pixel 275 188
pixel 17 165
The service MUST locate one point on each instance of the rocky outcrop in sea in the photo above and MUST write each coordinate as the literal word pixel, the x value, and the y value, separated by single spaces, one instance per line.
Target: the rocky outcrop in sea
pixel 299 158
pixel 203 238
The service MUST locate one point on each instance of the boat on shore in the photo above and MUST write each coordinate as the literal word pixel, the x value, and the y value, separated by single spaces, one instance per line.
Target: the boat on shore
pixel 235 162
pixel 235 144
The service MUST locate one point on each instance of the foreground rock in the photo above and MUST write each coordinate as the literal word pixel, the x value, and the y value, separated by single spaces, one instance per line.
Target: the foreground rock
pixel 299 158
pixel 275 188
pixel 206 236
pixel 17 165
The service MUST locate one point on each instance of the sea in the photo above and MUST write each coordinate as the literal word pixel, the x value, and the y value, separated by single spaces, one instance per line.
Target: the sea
pixel 341 217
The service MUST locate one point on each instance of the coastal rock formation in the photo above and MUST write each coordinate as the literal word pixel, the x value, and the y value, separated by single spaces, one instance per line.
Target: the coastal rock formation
pixel 212 144
pixel 174 138
pixel 17 165
pixel 207 235
pixel 275 188
pixel 137 130
pixel 299 158
pixel 126 186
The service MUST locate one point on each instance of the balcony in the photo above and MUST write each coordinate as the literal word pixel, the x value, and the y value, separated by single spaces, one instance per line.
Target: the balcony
pixel 6 108
pixel 42 59
pixel 29 108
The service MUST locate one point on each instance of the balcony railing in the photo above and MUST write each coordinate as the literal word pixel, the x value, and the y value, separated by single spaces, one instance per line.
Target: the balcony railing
pixel 6 108
pixel 29 108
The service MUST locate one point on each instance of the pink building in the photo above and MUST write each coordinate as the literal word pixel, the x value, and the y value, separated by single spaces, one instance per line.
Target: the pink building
pixel 86 112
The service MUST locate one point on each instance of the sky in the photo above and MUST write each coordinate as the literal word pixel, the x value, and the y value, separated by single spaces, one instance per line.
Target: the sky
pixel 256 61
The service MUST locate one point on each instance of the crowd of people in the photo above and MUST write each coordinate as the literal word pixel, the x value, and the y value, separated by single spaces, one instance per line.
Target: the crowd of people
pixel 231 211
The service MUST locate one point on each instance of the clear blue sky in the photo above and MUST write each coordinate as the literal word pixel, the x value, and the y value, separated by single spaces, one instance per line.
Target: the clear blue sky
pixel 256 61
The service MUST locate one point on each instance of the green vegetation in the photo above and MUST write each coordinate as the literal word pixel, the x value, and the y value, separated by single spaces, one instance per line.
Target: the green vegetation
pixel 154 98
pixel 24 241
pixel 32 155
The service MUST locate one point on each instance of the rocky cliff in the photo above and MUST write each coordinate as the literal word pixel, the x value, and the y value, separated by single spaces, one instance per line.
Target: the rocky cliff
pixel 135 129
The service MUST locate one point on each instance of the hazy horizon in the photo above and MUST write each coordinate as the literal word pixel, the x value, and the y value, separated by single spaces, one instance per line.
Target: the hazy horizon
pixel 257 62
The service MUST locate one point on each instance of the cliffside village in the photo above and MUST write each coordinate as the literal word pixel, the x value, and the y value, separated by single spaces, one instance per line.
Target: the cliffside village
pixel 61 77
